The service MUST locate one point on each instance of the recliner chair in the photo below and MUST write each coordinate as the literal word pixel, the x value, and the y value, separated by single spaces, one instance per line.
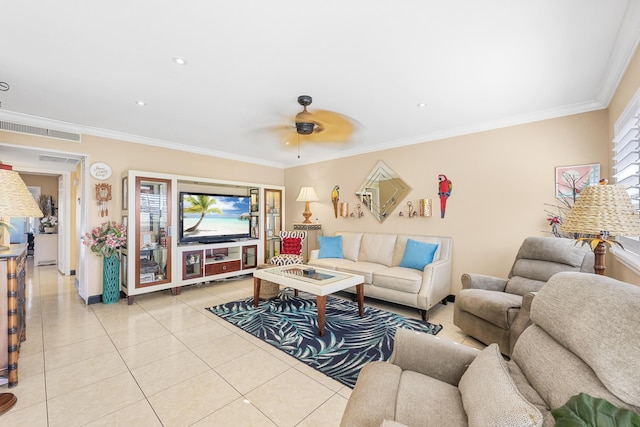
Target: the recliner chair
pixel 583 338
pixel 488 308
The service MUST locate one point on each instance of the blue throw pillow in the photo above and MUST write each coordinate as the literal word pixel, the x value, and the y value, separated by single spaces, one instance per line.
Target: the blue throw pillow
pixel 418 254
pixel 330 246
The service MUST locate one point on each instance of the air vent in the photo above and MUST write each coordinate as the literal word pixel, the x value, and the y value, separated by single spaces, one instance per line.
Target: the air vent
pixel 56 159
pixel 34 130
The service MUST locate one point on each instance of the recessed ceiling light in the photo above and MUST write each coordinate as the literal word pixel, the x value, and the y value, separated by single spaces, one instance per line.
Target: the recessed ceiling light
pixel 422 105
pixel 180 61
pixel 141 103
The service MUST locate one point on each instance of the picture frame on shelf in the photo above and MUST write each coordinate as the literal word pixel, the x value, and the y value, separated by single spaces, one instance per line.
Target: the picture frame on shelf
pixel 570 180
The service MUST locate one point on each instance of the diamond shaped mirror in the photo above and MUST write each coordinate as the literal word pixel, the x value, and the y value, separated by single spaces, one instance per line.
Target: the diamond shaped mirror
pixel 381 192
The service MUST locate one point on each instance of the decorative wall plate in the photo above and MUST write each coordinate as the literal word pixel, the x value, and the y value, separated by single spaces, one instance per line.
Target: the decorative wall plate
pixel 100 170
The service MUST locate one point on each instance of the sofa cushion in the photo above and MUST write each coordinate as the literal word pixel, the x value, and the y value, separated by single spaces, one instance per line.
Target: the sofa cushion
pixel 599 327
pixel 535 351
pixel 330 246
pixel 350 244
pixel 498 308
pixel 426 401
pixel 399 278
pixel 563 251
pixel 401 243
pixel 491 398
pixel 330 263
pixel 291 246
pixel 529 393
pixel 418 254
pixel 521 285
pixel 366 269
pixel 377 248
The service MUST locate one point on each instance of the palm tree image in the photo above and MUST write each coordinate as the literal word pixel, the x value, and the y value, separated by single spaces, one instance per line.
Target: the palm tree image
pixel 200 204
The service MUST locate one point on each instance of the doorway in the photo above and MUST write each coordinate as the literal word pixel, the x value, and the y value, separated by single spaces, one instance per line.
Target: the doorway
pixel 69 176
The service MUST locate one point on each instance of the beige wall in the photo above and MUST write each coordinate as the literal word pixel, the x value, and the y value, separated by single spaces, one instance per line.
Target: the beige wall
pixel 122 156
pixel 501 182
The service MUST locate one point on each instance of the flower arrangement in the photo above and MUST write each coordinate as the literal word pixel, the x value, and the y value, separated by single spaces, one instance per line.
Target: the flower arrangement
pixel 49 221
pixel 106 239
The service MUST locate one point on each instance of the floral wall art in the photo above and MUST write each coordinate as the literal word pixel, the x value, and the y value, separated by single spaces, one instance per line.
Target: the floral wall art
pixel 570 180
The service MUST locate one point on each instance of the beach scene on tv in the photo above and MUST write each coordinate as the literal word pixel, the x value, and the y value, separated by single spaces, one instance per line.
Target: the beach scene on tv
pixel 210 216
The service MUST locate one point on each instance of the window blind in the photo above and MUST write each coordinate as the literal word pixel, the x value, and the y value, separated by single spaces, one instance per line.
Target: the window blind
pixel 626 164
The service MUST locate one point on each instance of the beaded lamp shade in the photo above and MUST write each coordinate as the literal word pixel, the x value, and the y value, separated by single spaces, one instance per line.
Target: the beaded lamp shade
pixel 603 210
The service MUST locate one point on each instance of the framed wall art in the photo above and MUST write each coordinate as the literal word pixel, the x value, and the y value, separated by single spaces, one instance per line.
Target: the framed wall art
pixel 570 180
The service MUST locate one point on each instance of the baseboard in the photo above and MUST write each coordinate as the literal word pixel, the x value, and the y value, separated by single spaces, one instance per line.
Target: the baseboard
pixel 94 299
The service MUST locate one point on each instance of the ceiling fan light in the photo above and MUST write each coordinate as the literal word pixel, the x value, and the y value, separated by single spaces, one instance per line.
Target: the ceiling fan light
pixel 304 128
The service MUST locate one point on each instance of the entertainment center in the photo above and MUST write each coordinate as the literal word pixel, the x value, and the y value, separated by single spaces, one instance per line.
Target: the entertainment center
pixel 184 230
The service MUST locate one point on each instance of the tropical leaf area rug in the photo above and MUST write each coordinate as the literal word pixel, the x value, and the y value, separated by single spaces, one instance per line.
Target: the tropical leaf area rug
pixel 290 324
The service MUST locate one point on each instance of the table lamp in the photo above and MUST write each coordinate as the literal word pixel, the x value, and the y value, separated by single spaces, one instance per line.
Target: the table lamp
pixel 15 198
pixel 307 194
pixel 601 212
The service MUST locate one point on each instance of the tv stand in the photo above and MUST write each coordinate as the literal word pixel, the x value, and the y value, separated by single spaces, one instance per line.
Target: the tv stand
pixel 213 261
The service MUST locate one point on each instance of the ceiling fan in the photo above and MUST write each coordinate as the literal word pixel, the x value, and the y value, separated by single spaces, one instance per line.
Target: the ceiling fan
pixel 318 125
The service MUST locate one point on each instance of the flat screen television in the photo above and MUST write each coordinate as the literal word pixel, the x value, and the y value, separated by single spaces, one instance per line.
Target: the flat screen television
pixel 212 218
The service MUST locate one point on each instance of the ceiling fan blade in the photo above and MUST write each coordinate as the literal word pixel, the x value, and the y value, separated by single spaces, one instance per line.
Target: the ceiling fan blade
pixel 332 127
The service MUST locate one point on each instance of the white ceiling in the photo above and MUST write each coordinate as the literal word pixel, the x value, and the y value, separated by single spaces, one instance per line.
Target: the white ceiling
pixel 80 66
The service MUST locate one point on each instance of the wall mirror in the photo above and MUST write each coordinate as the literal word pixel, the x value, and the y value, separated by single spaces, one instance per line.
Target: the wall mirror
pixel 381 192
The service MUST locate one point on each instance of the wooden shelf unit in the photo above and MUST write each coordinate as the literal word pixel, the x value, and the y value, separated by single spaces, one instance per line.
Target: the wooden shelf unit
pixel 153 236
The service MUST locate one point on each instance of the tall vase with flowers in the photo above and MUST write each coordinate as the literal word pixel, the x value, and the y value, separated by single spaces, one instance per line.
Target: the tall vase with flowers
pixel 106 241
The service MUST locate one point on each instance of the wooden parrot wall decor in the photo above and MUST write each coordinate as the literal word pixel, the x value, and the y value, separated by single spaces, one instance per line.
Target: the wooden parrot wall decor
pixel 444 191
pixel 335 197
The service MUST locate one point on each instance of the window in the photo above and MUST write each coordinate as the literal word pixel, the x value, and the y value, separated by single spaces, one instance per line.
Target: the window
pixel 626 166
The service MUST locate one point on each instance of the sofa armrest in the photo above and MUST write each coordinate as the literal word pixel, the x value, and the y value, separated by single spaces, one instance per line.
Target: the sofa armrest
pixel 522 320
pixel 442 359
pixel 481 281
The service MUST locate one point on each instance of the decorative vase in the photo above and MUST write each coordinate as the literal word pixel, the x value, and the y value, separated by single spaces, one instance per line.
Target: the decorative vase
pixel 110 279
pixel 49 229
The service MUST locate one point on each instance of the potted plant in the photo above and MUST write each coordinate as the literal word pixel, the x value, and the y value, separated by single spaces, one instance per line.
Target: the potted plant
pixel 49 223
pixel 106 241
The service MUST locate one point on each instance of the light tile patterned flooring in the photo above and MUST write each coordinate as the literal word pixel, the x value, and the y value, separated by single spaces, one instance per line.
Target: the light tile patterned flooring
pixel 165 361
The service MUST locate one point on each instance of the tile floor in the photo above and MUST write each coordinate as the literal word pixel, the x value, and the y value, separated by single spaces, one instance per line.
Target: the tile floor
pixel 165 361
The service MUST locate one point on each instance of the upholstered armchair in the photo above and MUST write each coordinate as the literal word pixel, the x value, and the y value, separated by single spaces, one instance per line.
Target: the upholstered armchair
pixel 487 308
pixel 290 248
pixel 583 338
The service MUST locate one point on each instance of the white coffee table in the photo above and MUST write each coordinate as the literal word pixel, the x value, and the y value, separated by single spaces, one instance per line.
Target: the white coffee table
pixel 317 281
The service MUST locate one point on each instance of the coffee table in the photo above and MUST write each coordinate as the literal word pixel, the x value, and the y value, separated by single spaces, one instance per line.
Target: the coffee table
pixel 317 281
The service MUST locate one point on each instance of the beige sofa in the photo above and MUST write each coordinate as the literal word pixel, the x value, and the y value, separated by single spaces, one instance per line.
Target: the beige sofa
pixel 583 339
pixel 378 257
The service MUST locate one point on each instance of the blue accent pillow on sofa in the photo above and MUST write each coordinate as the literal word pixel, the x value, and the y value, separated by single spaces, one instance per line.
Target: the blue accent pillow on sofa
pixel 418 254
pixel 330 246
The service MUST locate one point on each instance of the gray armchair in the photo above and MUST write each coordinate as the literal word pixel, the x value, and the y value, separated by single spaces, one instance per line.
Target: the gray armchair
pixel 488 308
pixel 583 338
